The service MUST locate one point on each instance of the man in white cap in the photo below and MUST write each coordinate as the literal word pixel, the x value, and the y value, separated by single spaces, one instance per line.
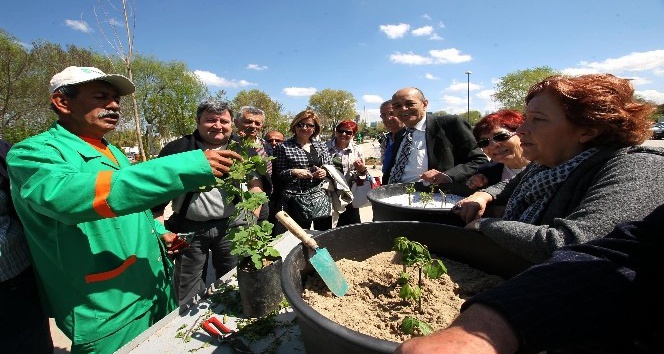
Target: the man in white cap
pixel 97 250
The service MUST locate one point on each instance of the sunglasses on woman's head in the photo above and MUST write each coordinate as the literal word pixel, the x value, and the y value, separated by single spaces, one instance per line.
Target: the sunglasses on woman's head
pixel 347 132
pixel 302 125
pixel 502 136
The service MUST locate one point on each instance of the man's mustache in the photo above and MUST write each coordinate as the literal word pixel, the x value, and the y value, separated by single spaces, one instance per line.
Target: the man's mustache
pixel 108 113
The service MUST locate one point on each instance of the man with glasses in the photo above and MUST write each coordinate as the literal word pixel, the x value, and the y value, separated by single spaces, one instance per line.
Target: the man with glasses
pixel 393 126
pixel 273 138
pixel 432 149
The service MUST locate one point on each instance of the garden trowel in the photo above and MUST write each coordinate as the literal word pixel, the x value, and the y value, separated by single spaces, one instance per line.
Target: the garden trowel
pixel 321 261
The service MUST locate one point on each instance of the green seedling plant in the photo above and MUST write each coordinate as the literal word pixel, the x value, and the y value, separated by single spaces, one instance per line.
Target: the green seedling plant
pixel 427 197
pixel 250 239
pixel 410 190
pixel 415 254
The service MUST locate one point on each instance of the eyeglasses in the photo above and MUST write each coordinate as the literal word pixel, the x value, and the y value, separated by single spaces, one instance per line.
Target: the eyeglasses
pixel 274 140
pixel 347 132
pixel 303 125
pixel 385 115
pixel 502 136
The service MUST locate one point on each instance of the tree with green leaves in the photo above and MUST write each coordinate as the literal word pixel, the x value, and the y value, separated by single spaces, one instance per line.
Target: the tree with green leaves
pixel 512 88
pixel 24 76
pixel 333 106
pixel 167 94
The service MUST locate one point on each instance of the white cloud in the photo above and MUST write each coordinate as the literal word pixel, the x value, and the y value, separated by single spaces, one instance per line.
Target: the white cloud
pixel 455 100
pixel 457 86
pixel 652 95
pixel 427 17
pixel 441 24
pixel 435 37
pixel 211 79
pixel 437 56
pixel 256 67
pixel 486 94
pixel 422 31
pixel 78 26
pixel 637 80
pixel 395 31
pixel 430 76
pixel 116 23
pixel 372 99
pixel 410 59
pixel 299 91
pixel 451 55
pixel 24 45
pixel 633 62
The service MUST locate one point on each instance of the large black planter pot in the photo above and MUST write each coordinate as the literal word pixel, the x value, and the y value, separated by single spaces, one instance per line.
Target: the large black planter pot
pixel 361 241
pixel 260 290
pixel 391 212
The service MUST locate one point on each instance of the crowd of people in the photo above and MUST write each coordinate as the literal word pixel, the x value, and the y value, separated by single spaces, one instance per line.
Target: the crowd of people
pixel 557 185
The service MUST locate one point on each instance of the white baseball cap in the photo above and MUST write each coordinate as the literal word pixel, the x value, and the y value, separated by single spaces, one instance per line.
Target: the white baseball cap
pixel 74 75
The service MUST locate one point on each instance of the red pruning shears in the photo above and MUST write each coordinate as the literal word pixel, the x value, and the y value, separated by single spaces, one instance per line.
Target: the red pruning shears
pixel 215 328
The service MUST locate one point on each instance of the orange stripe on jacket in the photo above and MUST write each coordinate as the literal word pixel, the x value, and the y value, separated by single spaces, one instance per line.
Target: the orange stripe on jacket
pixel 102 190
pixel 93 278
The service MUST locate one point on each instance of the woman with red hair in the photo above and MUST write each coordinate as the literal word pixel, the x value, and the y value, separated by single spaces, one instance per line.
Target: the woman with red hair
pixel 347 158
pixel 496 136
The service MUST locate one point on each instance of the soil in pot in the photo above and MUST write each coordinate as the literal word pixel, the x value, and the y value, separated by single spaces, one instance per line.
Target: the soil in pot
pixel 260 290
pixel 372 305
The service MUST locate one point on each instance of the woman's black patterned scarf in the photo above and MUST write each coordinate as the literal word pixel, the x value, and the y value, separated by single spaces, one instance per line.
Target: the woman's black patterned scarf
pixel 535 190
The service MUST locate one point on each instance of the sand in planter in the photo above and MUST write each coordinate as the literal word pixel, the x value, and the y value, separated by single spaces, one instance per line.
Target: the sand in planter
pixel 372 305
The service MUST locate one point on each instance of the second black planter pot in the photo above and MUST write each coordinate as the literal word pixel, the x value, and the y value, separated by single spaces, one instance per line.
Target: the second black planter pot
pixel 260 290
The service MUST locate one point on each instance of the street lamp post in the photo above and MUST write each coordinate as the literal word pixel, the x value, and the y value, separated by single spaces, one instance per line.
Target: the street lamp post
pixel 468 115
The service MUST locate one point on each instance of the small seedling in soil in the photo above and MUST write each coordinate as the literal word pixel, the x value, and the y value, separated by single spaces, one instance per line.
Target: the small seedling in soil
pixel 427 197
pixel 414 327
pixel 415 254
pixel 410 189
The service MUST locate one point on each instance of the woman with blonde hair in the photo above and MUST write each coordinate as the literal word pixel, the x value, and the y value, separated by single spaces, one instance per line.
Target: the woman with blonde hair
pixel 298 166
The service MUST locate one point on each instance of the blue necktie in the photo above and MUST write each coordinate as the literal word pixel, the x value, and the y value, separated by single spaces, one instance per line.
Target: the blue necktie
pixel 402 159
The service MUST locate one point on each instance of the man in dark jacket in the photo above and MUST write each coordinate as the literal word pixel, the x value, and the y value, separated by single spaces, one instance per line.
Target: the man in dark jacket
pixel 204 215
pixel 433 149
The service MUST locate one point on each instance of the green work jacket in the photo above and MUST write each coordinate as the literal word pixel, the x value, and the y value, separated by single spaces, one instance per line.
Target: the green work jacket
pixel 95 245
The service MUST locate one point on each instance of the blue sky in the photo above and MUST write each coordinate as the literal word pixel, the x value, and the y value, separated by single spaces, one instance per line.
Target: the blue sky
pixel 371 48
